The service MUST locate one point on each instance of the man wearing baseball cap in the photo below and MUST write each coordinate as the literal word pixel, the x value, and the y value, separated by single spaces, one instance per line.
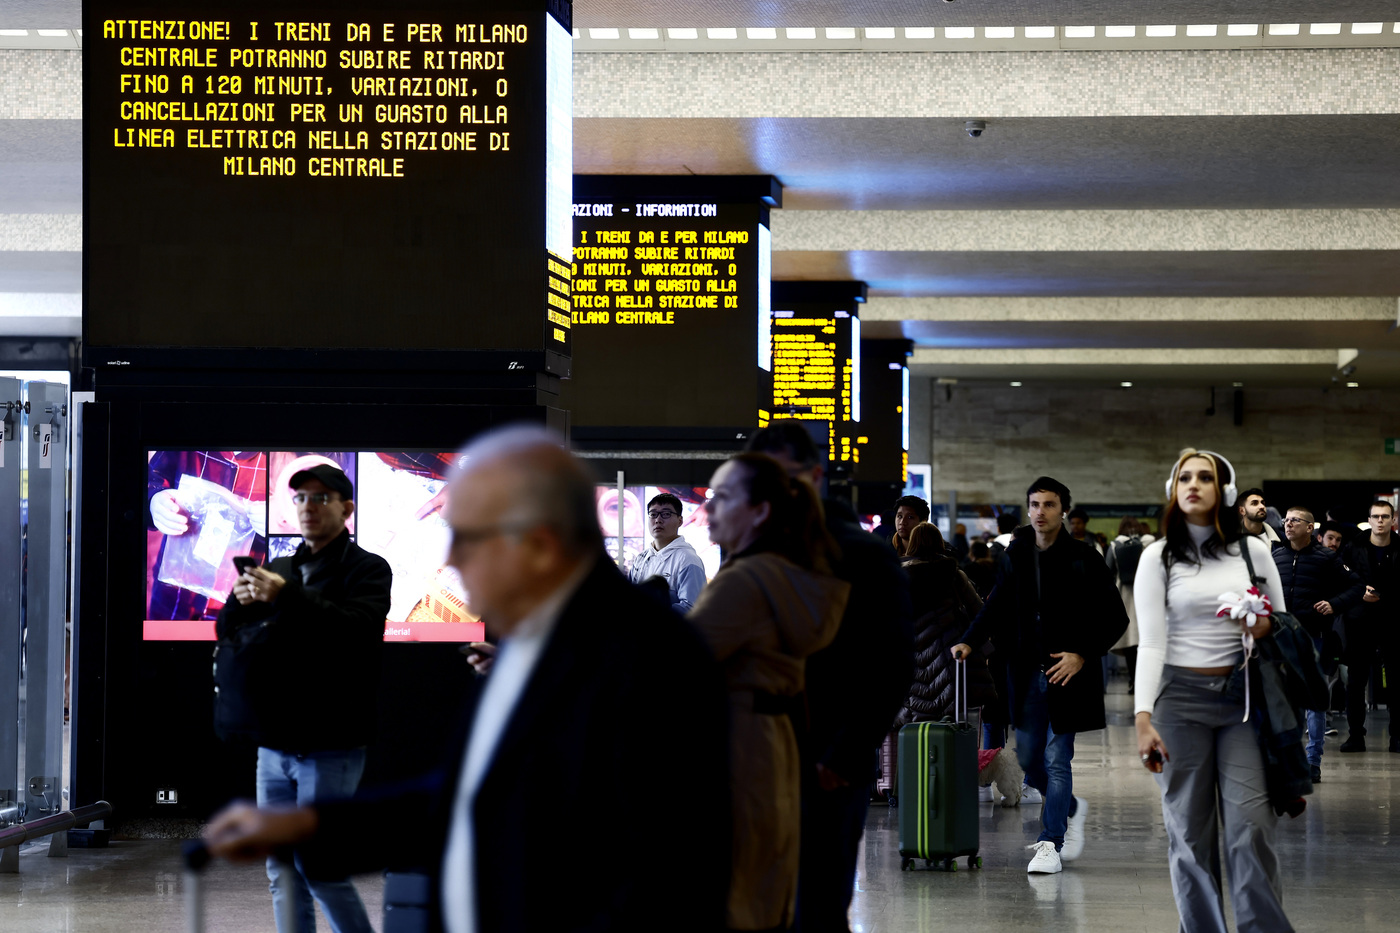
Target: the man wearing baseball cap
pixel 296 673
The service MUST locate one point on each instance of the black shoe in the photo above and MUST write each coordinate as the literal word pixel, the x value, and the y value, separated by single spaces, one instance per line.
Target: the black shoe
pixel 1316 774
pixel 1354 744
pixel 1395 745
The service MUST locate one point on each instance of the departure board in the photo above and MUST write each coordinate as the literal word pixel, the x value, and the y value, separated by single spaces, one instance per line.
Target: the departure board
pixel 326 175
pixel 817 362
pixel 885 411
pixel 669 284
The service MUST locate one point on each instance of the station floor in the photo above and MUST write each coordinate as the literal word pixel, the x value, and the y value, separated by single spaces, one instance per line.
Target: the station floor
pixel 1341 867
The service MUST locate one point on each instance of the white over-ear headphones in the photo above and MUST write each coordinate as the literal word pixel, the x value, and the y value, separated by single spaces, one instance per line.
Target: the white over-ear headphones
pixel 1228 492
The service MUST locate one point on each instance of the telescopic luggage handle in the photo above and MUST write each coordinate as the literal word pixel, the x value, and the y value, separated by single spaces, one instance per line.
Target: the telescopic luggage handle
pixel 960 690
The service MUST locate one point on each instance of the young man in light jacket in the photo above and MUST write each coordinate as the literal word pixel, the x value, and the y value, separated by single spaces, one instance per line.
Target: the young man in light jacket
pixel 669 555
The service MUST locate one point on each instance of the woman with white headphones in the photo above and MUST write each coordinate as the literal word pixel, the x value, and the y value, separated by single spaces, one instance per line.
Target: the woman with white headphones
pixel 1198 614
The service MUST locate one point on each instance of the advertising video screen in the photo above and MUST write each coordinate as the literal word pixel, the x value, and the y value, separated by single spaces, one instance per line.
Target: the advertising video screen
pixel 630 507
pixel 205 507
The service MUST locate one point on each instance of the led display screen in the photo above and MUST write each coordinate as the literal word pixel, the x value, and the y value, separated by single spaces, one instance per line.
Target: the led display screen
pixel 326 175
pixel 205 507
pixel 669 278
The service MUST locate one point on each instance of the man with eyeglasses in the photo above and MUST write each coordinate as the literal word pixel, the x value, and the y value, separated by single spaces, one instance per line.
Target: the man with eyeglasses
pixel 1371 628
pixel 669 555
pixel 296 674
pixel 1317 585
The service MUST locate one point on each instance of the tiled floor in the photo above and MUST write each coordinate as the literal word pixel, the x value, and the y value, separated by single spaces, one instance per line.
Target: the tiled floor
pixel 1340 865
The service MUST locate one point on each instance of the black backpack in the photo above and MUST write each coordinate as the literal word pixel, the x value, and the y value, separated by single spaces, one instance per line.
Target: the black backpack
pixel 1126 555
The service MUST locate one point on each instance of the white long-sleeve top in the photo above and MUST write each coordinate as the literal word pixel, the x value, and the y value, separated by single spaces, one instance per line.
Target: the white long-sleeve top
pixel 1176 617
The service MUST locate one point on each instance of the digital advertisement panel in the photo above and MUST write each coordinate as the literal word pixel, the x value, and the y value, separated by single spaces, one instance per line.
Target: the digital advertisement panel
pixel 205 508
pixel 629 507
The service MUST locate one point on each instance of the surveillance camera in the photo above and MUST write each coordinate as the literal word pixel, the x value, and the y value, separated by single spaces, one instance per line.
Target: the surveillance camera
pixel 975 127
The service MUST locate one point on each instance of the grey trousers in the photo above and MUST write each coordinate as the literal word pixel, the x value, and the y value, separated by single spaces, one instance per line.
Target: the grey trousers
pixel 1215 776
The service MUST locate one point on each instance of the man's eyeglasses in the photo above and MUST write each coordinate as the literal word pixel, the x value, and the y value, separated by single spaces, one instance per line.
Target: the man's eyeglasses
pixel 1380 518
pixel 1297 521
pixel 664 515
pixel 314 498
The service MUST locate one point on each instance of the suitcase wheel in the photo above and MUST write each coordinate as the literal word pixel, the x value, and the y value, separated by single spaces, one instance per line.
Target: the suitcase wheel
pixel 894 800
pixel 928 863
pixel 974 861
pixel 905 864
pixel 950 864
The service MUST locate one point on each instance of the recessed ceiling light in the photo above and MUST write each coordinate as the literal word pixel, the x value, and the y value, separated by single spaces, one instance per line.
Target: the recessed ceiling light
pixel 1160 31
pixel 1283 29
pixel 643 33
pixel 762 32
pixel 1126 385
pixel 1016 385
pixel 14 32
pixel 802 32
pixel 1242 29
pixel 1366 29
pixel 1202 29
pixel 1040 32
pixel 960 32
pixel 723 32
pixel 683 33
pixel 53 33
pixel 608 33
pixel 578 34
pixel 1079 32
pixel 1353 385
pixel 1238 385
pixel 879 32
pixel 1325 29
pixel 1120 32
pixel 999 32
pixel 920 32
pixel 840 32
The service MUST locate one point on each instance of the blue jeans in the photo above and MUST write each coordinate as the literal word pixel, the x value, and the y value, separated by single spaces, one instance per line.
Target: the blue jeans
pixel 298 780
pixel 1317 726
pixel 1045 756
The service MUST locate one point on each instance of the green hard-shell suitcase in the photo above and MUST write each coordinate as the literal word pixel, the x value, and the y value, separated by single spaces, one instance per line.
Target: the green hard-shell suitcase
pixel 938 788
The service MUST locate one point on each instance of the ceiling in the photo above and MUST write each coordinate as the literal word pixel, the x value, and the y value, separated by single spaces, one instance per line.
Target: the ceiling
pixel 1339 161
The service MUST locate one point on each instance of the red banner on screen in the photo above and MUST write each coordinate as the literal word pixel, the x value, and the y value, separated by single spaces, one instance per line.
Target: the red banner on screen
pixel 156 630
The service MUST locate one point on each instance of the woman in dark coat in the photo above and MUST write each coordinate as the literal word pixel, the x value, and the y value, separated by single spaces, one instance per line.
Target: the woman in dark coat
pixel 944 602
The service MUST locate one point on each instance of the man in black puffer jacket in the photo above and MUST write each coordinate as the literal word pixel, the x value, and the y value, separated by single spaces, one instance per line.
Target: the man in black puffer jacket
pixel 1316 586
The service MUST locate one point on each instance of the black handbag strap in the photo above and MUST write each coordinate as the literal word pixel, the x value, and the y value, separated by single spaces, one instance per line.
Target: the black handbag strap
pixel 1244 551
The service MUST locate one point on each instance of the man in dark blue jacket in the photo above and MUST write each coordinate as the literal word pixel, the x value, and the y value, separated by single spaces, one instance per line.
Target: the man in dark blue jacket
pixel 1055 612
pixel 1316 586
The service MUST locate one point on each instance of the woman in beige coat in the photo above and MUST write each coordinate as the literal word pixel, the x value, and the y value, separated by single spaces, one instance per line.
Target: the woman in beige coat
pixel 772 603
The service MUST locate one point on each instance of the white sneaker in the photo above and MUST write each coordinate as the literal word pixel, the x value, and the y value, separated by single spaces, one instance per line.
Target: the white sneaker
pixel 1030 795
pixel 1046 860
pixel 984 793
pixel 1074 831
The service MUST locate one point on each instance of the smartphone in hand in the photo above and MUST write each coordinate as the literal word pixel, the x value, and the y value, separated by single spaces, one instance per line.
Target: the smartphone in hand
pixel 244 564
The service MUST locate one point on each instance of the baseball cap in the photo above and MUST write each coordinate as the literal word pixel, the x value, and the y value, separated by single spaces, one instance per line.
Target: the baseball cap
pixel 334 479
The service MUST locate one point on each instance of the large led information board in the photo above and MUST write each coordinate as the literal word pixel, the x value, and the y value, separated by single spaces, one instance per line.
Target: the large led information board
pixel 670 289
pixel 817 363
pixel 325 175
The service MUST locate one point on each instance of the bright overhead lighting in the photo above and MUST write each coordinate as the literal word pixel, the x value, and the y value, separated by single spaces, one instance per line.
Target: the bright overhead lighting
pixel 920 32
pixel 683 33
pixel 723 32
pixel 1242 29
pixel 802 32
pixel 14 32
pixel 1126 385
pixel 609 33
pixel 1120 32
pixel 643 33
pixel 1203 29
pixel 1161 31
pixel 1283 29
pixel 1325 29
pixel 1016 385
pixel 960 32
pixel 840 32
pixel 1366 29
pixel 1040 32
pixel 999 32
pixel 578 34
pixel 53 33
pixel 1353 385
pixel 761 32
pixel 879 32
pixel 1079 32
pixel 1238 385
